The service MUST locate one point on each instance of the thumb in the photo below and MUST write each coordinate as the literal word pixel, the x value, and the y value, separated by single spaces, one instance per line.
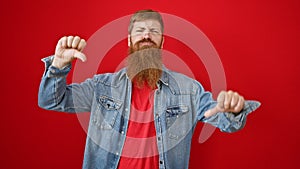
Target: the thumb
pixel 219 107
pixel 214 110
pixel 211 112
pixel 79 55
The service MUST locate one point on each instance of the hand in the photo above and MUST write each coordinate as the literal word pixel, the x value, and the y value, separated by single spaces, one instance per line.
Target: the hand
pixel 67 49
pixel 227 102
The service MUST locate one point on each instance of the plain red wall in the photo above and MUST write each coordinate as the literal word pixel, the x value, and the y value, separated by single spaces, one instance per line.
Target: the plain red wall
pixel 257 41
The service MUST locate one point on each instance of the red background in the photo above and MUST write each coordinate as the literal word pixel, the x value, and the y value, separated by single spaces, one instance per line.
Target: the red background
pixel 258 43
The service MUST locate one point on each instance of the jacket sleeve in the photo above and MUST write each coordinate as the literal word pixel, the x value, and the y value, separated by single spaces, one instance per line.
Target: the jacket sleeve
pixel 55 94
pixel 225 121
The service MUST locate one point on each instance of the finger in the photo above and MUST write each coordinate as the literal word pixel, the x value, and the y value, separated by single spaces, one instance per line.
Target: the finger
pixel 70 41
pixel 227 100
pixel 81 45
pixel 63 42
pixel 58 49
pixel 211 112
pixel 58 45
pixel 221 99
pixel 234 100
pixel 75 42
pixel 240 104
pixel 79 55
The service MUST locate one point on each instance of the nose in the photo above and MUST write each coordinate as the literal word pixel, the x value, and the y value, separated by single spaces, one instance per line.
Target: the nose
pixel 147 35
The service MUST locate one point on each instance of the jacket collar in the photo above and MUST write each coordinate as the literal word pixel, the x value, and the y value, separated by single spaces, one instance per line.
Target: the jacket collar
pixel 164 79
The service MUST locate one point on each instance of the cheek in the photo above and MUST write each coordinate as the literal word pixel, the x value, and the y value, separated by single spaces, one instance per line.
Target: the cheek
pixel 135 39
pixel 158 41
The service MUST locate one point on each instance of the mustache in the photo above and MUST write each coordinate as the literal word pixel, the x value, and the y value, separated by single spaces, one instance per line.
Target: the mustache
pixel 146 40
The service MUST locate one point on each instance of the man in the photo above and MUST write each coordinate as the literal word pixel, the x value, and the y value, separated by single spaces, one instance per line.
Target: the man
pixel 144 115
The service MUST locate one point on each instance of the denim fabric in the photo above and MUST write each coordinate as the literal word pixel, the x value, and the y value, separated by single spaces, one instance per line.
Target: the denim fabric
pixel 179 103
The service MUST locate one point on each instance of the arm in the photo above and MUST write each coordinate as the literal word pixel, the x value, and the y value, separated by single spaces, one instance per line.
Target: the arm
pixel 228 113
pixel 54 93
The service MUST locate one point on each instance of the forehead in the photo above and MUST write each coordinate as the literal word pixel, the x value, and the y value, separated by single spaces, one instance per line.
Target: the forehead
pixel 149 23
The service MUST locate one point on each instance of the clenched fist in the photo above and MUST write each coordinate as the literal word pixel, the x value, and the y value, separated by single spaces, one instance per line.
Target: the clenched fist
pixel 68 49
pixel 227 102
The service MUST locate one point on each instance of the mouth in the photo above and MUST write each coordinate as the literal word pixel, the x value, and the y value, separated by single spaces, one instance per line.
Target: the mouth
pixel 142 44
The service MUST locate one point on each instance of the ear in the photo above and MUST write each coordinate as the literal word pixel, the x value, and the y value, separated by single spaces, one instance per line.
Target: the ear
pixel 162 42
pixel 128 40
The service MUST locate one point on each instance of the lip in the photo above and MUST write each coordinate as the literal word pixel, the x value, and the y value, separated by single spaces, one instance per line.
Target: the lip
pixel 146 44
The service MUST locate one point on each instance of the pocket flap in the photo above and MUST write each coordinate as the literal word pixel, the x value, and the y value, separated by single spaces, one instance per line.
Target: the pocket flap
pixel 109 103
pixel 176 110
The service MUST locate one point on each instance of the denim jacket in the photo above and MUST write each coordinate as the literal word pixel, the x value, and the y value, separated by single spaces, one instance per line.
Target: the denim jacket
pixel 179 103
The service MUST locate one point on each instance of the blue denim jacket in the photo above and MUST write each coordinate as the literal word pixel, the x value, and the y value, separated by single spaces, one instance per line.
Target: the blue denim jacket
pixel 179 103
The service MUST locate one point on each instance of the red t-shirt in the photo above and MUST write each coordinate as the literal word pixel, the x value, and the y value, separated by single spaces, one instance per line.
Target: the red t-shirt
pixel 140 148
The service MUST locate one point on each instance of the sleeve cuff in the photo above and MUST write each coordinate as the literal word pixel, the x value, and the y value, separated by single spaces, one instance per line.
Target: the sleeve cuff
pixel 230 122
pixel 51 71
pixel 250 106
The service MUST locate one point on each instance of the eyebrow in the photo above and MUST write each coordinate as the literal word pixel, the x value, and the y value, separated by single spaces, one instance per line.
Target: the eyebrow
pixel 140 27
pixel 151 29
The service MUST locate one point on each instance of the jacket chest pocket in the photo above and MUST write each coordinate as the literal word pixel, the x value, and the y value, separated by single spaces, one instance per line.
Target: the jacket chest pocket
pixel 107 112
pixel 177 121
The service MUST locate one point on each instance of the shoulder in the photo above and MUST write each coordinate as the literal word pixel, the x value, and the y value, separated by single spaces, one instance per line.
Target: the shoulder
pixel 114 78
pixel 179 82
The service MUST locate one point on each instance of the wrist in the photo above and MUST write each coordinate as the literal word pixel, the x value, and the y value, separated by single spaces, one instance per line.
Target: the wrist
pixel 57 63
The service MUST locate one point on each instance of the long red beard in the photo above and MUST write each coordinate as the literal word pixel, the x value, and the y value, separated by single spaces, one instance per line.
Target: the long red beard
pixel 144 65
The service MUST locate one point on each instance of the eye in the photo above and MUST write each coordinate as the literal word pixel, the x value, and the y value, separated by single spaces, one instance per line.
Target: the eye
pixel 155 31
pixel 139 30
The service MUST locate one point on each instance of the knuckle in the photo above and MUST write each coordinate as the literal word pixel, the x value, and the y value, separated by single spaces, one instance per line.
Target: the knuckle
pixel 230 92
pixel 237 109
pixel 222 95
pixel 62 38
pixel 226 104
pixel 74 43
pixel 77 38
pixel 219 108
pixel 236 97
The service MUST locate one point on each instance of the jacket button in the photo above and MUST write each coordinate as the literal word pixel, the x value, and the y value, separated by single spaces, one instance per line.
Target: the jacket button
pixel 160 162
